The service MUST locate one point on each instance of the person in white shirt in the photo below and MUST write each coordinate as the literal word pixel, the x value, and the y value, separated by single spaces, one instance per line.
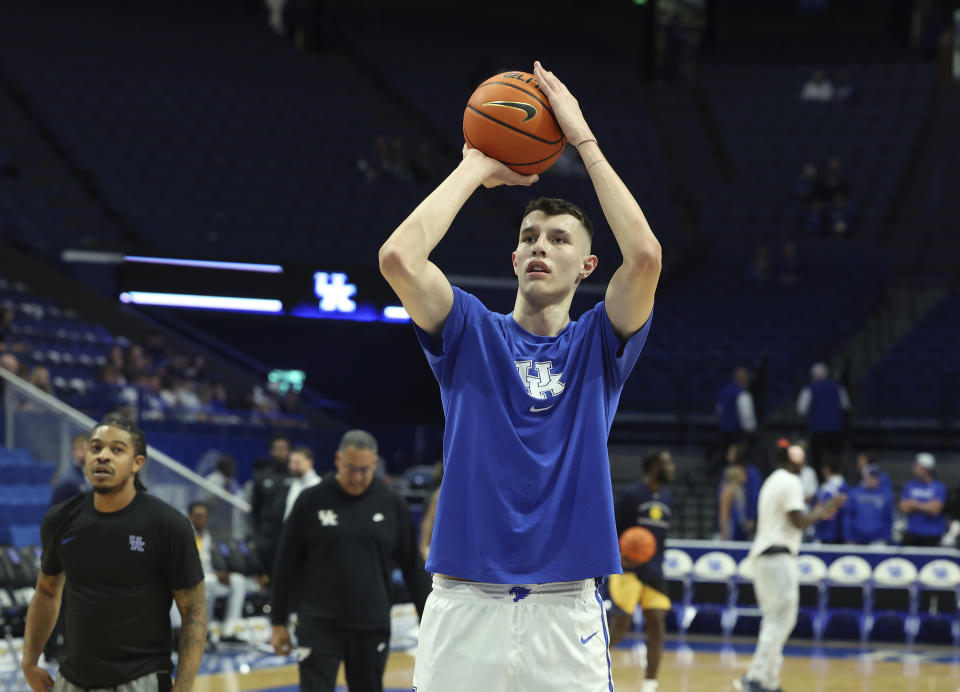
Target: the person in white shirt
pixel 302 473
pixel 218 582
pixel 781 519
pixel 818 88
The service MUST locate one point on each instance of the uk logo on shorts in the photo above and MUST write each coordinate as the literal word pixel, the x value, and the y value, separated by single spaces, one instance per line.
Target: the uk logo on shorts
pixel 137 544
pixel 519 593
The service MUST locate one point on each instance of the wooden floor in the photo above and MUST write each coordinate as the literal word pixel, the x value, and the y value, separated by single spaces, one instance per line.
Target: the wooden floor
pixel 893 669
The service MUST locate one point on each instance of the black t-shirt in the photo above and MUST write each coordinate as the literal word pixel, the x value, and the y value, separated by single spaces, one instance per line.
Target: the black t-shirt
pixel 337 553
pixel 640 506
pixel 121 570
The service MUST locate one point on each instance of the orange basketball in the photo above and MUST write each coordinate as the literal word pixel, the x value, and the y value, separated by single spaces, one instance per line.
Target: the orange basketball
pixel 509 119
pixel 638 544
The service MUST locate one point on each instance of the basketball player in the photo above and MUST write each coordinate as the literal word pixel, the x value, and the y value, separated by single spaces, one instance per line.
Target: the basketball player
pixel 781 521
pixel 123 555
pixel 646 504
pixel 525 522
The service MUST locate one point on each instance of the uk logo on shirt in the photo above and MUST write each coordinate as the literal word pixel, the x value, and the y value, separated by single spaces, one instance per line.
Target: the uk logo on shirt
pixel 137 544
pixel 327 517
pixel 539 378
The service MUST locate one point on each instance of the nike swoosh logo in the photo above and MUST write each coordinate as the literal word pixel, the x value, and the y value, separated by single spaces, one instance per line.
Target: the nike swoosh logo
pixel 585 640
pixel 67 540
pixel 534 409
pixel 530 111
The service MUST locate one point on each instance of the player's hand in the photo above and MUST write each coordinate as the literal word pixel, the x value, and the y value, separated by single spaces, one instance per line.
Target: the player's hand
pixel 280 640
pixel 563 104
pixel 38 679
pixel 224 578
pixel 495 173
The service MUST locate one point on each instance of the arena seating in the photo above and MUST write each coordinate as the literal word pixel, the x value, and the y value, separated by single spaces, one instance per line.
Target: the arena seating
pixel 919 375
pixel 842 596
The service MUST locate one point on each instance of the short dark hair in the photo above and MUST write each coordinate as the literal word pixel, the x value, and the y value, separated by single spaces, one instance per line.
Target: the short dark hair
pixel 304 450
pixel 279 436
pixel 193 505
pixel 127 424
pixel 652 459
pixel 554 206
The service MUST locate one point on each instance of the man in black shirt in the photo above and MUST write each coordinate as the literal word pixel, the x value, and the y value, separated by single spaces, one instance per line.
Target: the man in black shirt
pixel 336 554
pixel 123 555
pixel 270 485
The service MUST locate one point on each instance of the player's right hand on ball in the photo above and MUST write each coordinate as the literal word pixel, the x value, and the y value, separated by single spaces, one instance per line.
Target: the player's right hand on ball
pixel 280 640
pixel 38 679
pixel 496 173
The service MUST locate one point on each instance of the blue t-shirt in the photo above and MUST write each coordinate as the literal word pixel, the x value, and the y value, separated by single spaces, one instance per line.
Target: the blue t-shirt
pixel 868 515
pixel 526 494
pixel 830 530
pixel 728 417
pixel 641 506
pixel 921 523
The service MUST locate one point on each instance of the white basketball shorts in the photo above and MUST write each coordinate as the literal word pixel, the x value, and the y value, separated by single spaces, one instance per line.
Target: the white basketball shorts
pixel 513 638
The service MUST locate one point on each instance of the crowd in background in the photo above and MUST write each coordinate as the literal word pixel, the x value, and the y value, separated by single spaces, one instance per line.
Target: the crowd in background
pixel 872 513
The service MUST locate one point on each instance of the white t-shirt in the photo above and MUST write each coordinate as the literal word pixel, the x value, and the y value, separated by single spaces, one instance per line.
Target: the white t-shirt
pixel 780 494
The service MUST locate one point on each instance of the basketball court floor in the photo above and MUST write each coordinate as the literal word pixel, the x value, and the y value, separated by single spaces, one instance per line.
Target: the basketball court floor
pixel 691 666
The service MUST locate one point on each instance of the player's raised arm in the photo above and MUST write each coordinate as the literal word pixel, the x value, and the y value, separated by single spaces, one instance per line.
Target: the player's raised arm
pixel 405 257
pixel 629 298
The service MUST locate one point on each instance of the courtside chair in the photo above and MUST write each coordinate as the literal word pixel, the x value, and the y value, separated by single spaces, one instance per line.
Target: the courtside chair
pixel 938 593
pixel 894 601
pixel 677 570
pixel 746 611
pixel 711 593
pixel 848 599
pixel 811 613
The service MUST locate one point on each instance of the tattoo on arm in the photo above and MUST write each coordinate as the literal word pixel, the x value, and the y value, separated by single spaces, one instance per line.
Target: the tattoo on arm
pixel 193 634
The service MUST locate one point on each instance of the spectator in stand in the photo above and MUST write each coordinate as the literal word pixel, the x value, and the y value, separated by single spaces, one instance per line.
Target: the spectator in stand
pixel 830 530
pixel 824 403
pixel 40 378
pixel 7 341
pixel 735 414
pixel 868 514
pixel 818 89
pixel 154 403
pixel 225 522
pixel 10 363
pixel 218 581
pixel 732 506
pixel 864 461
pixel 807 187
pixel 922 501
pixel 72 481
pixel 841 216
pixel 843 90
pixel 834 180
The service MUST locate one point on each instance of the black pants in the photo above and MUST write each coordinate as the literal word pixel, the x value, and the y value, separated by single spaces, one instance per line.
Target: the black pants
pixel 920 541
pixel 364 655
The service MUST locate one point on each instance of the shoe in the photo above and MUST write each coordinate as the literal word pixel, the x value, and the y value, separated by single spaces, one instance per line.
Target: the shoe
pixel 745 685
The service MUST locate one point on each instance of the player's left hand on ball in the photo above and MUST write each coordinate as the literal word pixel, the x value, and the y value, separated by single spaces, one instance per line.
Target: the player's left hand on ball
pixel 565 107
pixel 496 173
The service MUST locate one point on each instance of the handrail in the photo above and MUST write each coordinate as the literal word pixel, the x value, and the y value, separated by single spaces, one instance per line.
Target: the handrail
pixel 51 403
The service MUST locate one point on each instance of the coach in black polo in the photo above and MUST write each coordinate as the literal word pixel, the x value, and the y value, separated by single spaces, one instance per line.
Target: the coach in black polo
pixel 337 552
pixel 124 555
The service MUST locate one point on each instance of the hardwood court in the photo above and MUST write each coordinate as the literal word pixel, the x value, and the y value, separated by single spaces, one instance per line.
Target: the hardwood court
pixel 833 669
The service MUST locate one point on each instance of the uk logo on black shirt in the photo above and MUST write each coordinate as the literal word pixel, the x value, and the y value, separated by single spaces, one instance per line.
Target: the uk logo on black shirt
pixel 137 544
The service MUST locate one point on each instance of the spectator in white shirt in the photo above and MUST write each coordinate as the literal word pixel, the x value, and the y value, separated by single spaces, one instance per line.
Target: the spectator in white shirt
pixel 302 473
pixel 818 89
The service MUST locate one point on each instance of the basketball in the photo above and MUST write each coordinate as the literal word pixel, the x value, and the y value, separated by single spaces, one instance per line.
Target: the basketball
pixel 638 544
pixel 509 119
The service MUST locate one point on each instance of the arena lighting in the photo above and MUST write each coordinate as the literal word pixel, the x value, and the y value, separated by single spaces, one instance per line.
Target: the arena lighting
pixel 396 312
pixel 207 264
pixel 186 300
